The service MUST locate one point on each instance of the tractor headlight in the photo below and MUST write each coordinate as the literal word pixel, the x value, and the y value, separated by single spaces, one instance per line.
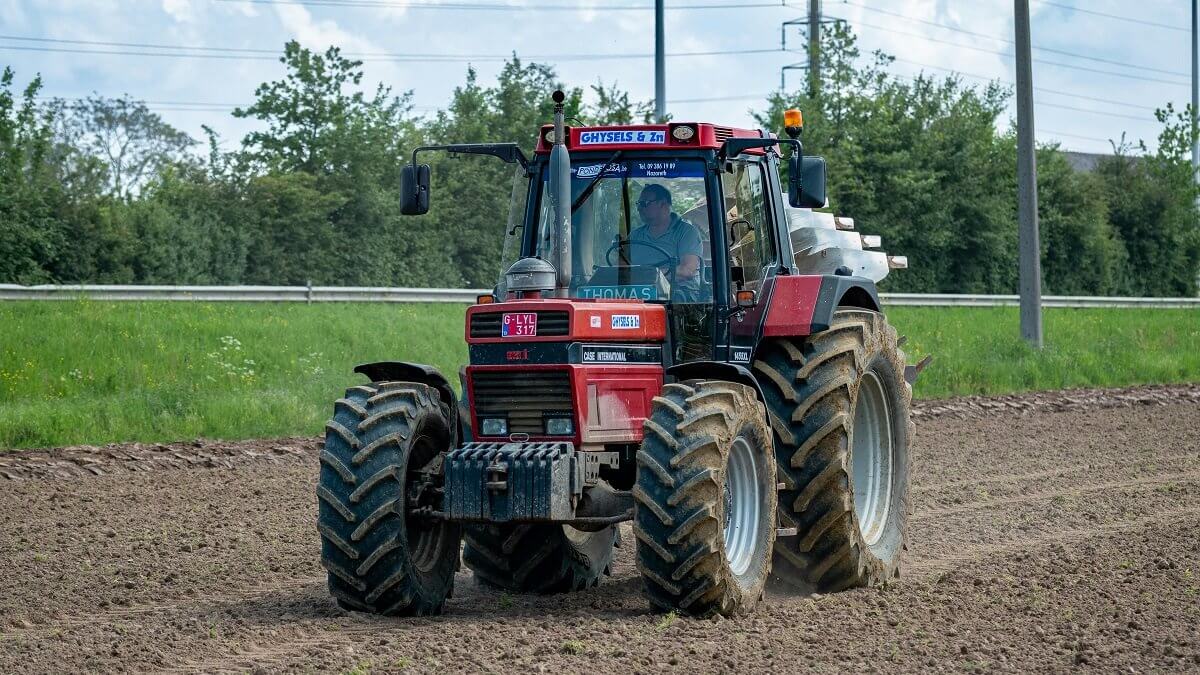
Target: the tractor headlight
pixel 683 133
pixel 491 426
pixel 559 426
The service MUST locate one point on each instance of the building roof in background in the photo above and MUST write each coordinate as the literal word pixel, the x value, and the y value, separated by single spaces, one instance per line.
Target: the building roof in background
pixel 1084 161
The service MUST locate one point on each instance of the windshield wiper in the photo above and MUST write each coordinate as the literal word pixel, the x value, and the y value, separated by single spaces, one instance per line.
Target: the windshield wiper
pixel 587 191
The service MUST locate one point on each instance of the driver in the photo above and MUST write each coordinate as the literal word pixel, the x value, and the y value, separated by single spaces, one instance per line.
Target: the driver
pixel 663 229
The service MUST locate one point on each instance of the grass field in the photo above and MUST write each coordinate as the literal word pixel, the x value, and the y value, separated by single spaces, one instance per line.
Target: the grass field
pixel 98 372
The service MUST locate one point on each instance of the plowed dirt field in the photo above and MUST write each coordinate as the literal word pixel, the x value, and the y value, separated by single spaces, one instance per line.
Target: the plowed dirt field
pixel 1050 532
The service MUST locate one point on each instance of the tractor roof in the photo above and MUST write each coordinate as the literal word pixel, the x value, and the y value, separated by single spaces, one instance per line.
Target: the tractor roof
pixel 648 137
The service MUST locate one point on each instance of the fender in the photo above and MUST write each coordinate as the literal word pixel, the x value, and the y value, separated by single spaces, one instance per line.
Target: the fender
pixel 839 291
pixel 803 304
pixel 402 371
pixel 716 370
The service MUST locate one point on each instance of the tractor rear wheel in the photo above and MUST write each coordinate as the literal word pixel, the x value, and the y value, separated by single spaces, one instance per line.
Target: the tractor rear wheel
pixel 380 447
pixel 705 499
pixel 539 558
pixel 840 414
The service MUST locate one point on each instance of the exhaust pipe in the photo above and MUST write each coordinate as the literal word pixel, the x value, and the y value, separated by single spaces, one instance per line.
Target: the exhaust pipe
pixel 560 200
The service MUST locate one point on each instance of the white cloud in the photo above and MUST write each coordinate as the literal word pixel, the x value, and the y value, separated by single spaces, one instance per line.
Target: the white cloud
pixel 180 10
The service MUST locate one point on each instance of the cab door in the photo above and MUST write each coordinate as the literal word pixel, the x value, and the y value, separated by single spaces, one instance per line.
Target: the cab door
pixel 753 252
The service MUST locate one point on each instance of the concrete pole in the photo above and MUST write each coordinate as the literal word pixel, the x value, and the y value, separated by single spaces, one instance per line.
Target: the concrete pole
pixel 660 66
pixel 814 47
pixel 1195 92
pixel 1027 234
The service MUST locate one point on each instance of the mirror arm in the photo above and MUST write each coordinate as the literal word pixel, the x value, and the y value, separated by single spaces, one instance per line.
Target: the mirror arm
pixel 508 152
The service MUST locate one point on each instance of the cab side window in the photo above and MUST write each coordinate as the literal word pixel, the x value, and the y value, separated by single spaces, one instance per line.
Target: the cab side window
pixel 747 222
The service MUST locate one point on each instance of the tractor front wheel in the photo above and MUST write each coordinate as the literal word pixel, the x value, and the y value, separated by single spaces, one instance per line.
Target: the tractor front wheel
pixel 705 499
pixel 539 558
pixel 381 452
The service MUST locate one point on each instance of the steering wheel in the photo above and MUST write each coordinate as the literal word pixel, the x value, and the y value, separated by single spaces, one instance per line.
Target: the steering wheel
pixel 667 257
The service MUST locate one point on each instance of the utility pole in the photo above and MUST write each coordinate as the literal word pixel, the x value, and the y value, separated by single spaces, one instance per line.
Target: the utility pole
pixel 1030 279
pixel 1195 93
pixel 814 47
pixel 660 66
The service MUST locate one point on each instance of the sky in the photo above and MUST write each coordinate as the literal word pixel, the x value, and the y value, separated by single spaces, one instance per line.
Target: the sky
pixel 1100 66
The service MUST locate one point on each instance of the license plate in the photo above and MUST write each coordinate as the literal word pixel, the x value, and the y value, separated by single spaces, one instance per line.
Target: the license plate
pixel 519 325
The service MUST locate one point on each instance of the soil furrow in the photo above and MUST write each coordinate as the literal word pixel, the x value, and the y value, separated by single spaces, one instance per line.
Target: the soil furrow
pixel 934 565
pixel 1151 464
pixel 993 503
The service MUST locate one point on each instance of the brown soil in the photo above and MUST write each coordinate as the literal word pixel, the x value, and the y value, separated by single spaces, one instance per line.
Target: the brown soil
pixel 1050 532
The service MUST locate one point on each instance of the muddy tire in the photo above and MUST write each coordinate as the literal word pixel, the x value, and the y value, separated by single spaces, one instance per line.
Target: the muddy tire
pixel 840 415
pixel 705 499
pixel 538 558
pixel 379 559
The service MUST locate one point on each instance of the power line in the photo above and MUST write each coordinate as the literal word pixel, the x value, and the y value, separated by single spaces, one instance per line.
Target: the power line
pixel 1051 50
pixel 1070 135
pixel 202 106
pixel 1111 16
pixel 231 53
pixel 734 97
pixel 399 4
pixel 1113 73
pixel 1044 90
pixel 1104 113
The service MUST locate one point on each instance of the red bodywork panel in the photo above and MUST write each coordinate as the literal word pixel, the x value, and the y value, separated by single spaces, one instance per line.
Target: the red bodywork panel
pixel 590 320
pixel 610 401
pixel 790 307
pixel 709 136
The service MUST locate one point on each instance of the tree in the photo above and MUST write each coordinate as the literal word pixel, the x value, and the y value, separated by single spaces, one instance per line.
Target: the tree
pixel 1153 200
pixel 613 107
pixel 30 237
pixel 1081 253
pixel 471 194
pixel 132 141
pixel 352 145
pixel 916 161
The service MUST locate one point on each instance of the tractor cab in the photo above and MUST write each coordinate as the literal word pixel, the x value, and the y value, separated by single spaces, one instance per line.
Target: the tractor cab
pixel 662 214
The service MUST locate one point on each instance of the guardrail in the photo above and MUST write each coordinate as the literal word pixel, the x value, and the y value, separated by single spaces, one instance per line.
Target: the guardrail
pixel 239 293
pixel 467 295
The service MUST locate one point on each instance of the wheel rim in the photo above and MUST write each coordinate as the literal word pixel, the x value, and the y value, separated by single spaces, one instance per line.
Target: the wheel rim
pixel 743 499
pixel 872 458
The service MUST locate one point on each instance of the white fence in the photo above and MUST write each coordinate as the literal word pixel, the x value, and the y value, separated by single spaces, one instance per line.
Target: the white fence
pixel 467 295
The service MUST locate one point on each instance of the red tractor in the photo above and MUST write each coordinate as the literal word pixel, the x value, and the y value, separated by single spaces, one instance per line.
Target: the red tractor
pixel 682 342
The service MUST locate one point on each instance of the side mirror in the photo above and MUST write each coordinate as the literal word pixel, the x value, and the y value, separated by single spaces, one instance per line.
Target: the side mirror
pixel 747 298
pixel 414 189
pixel 806 181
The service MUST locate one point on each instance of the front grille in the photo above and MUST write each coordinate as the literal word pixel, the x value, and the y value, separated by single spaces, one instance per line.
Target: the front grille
pixel 549 324
pixel 524 397
pixel 722 134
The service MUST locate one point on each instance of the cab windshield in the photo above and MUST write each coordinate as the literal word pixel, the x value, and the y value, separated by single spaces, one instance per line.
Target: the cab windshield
pixel 640 229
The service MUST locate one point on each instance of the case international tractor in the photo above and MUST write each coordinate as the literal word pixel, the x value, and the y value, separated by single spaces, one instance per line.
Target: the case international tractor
pixel 733 389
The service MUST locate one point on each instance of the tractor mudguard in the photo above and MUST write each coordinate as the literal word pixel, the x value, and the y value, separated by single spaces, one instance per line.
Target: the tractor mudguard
pixel 839 291
pixel 799 305
pixel 402 371
pixel 715 370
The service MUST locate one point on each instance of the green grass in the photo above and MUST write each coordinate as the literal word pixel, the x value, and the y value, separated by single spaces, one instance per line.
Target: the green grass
pixel 98 372
pixel 977 350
